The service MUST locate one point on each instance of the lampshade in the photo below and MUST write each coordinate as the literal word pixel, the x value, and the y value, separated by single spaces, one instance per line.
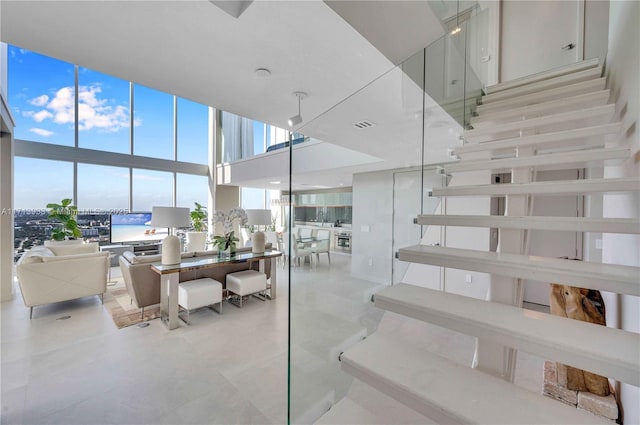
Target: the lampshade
pixel 258 217
pixel 170 217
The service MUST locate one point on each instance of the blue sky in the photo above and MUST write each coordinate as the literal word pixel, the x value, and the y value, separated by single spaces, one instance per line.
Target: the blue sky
pixel 41 96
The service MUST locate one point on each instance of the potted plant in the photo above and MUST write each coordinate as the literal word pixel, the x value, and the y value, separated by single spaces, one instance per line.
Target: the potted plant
pixel 226 242
pixel 66 214
pixel 197 238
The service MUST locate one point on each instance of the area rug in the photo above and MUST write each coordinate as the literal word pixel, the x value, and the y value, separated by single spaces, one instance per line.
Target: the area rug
pixel 123 312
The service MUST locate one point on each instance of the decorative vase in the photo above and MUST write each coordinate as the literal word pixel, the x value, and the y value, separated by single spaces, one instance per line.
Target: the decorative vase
pixel 258 242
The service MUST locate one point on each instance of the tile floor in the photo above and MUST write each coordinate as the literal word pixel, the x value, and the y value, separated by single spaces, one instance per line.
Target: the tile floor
pixel 228 369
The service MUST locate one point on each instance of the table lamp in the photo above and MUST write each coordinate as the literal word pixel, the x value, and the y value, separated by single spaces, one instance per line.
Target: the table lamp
pixel 170 217
pixel 258 218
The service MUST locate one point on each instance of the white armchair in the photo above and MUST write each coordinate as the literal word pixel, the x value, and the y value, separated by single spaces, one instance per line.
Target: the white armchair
pixel 296 252
pixel 52 274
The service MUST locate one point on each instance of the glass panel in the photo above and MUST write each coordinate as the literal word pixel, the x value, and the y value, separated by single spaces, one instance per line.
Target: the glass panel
pixel 237 137
pixel 103 112
pixel 260 137
pixel 151 188
pixel 421 112
pixel 37 182
pixel 41 93
pixel 153 123
pixel 193 132
pixel 191 189
pixel 103 188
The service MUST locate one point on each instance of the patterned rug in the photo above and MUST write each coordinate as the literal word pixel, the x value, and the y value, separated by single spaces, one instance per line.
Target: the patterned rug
pixel 123 312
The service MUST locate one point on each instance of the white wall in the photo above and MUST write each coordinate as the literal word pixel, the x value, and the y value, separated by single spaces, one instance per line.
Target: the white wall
pixel 623 70
pixel 372 226
pixel 532 33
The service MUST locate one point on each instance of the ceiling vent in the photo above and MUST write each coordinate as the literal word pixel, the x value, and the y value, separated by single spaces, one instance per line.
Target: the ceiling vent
pixel 364 124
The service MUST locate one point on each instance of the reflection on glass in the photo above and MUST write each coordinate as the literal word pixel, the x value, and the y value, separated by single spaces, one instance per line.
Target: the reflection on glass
pixel 190 189
pixel 42 97
pixel 193 132
pixel 103 112
pixel 103 188
pixel 152 188
pixel 153 123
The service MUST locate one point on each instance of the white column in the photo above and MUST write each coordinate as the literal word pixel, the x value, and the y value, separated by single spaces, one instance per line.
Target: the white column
pixel 6 216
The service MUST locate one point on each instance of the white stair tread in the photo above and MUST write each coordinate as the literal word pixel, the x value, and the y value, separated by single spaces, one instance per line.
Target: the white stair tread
pixel 590 156
pixel 545 139
pixel 545 95
pixel 563 80
pixel 569 224
pixel 607 277
pixel 545 75
pixel 610 352
pixel 543 188
pixel 546 108
pixel 603 113
pixel 347 412
pixel 451 393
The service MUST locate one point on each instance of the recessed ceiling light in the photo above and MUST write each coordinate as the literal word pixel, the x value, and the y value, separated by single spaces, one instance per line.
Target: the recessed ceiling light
pixel 262 72
pixel 275 182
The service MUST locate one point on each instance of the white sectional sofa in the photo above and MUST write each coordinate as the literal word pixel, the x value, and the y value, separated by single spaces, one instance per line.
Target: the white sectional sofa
pixel 61 272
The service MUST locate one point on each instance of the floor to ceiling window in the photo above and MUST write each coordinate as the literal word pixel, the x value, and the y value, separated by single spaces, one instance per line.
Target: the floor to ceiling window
pixel 103 112
pixel 41 93
pixel 126 146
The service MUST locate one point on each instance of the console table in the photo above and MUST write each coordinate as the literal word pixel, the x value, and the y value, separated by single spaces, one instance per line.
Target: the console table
pixel 169 278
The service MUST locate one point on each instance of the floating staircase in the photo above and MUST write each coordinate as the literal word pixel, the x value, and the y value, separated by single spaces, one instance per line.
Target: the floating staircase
pixel 555 119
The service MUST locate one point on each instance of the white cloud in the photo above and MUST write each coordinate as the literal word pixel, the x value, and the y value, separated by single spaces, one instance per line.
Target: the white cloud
pixel 41 115
pixel 41 131
pixel 40 100
pixel 93 112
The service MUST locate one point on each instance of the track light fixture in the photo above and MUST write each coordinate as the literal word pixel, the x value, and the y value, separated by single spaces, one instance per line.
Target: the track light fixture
pixel 297 119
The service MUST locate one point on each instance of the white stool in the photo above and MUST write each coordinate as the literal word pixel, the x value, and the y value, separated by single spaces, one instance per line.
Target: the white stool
pixel 247 282
pixel 199 293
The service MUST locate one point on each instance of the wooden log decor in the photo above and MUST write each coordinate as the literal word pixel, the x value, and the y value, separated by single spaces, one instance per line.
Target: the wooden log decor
pixel 586 305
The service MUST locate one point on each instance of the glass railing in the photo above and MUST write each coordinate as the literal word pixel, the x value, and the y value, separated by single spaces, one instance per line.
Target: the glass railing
pixel 412 116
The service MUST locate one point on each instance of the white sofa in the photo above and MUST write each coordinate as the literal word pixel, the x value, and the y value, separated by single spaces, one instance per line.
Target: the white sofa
pixel 61 272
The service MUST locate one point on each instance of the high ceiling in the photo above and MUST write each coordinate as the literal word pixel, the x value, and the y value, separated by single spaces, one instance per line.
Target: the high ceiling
pixel 196 50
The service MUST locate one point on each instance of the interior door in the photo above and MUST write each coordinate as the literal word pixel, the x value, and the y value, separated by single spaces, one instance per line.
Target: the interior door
pixel 536 36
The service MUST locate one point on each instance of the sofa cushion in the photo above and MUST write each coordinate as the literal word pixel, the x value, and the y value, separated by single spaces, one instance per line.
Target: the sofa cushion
pixel 73 249
pixel 145 259
pixel 35 254
pixel 74 257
